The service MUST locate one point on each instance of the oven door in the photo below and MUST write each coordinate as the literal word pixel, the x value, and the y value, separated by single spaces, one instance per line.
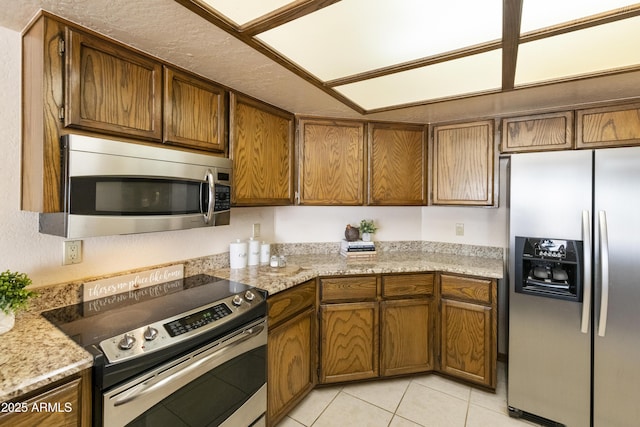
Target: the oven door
pixel 223 383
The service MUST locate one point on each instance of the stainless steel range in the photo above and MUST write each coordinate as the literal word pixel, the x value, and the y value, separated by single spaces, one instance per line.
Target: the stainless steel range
pixel 191 352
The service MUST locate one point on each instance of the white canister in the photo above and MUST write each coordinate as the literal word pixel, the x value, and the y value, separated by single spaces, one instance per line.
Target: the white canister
pixel 254 252
pixel 238 254
pixel 265 253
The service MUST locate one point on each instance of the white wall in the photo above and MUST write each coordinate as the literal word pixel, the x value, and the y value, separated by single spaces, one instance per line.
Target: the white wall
pixel 23 249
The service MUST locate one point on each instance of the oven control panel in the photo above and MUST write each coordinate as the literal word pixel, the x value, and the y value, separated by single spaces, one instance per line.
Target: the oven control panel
pixel 179 328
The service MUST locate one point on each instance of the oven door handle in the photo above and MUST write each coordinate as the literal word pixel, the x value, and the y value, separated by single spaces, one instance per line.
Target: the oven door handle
pixel 154 383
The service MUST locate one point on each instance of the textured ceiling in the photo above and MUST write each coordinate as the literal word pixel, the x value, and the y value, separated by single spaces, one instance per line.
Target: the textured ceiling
pixel 169 31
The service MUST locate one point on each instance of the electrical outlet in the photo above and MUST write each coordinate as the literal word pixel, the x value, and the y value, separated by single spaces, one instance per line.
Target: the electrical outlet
pixel 255 233
pixel 459 229
pixel 72 252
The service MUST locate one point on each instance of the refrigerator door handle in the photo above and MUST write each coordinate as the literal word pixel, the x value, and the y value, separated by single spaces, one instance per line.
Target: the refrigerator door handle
pixel 604 270
pixel 586 250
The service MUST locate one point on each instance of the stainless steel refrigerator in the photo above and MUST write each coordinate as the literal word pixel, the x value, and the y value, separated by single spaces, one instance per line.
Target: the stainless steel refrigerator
pixel 575 360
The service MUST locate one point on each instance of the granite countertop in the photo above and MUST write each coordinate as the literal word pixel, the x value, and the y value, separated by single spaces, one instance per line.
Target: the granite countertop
pixel 35 354
pixel 301 268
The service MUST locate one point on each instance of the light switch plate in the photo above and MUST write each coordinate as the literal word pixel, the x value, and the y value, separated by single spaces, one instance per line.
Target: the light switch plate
pixel 459 229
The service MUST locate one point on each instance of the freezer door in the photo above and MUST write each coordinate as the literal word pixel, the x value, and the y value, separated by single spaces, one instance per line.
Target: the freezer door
pixel 617 353
pixel 549 357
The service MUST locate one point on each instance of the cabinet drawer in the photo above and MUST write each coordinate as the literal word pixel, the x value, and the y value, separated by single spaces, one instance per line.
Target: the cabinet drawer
pixel 466 288
pixel 407 285
pixel 284 305
pixel 348 288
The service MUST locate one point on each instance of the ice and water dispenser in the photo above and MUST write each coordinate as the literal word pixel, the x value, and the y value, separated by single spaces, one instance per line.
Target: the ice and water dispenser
pixel 549 267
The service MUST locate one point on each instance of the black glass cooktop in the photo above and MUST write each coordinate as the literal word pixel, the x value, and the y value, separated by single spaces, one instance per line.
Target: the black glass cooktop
pixel 93 321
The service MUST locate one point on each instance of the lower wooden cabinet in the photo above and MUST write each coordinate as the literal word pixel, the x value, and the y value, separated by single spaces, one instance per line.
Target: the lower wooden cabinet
pixel 349 341
pixel 66 404
pixel 406 336
pixel 291 367
pixel 468 329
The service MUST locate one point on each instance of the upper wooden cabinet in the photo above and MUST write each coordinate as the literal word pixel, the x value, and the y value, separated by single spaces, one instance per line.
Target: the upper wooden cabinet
pixel 111 89
pixel 331 162
pixel 194 112
pixel 542 132
pixel 262 149
pixel 608 126
pixel 397 164
pixel 463 166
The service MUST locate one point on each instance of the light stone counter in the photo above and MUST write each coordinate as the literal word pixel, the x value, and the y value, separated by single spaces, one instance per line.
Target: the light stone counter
pixel 35 354
pixel 274 280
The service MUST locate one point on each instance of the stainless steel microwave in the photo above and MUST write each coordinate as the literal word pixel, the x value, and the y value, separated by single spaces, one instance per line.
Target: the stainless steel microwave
pixel 112 187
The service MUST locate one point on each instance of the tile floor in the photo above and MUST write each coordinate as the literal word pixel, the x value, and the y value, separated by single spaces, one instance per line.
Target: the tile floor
pixel 421 400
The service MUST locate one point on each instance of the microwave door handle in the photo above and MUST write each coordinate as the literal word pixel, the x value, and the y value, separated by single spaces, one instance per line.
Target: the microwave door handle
pixel 586 289
pixel 604 271
pixel 211 187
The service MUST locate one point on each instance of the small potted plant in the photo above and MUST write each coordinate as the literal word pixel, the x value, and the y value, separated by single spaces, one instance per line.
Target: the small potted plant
pixel 367 228
pixel 13 297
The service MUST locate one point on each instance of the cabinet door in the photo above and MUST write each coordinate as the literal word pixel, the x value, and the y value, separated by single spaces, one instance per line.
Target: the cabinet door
pixel 397 164
pixel 194 112
pixel 463 164
pixel 608 126
pixel 348 341
pixel 68 404
pixel 262 149
pixel 542 132
pixel 331 162
pixel 291 363
pixel 112 89
pixel 466 341
pixel 406 336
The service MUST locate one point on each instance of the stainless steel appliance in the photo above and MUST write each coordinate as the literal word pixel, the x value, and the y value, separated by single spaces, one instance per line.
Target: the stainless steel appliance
pixel 113 187
pixel 191 352
pixel 573 341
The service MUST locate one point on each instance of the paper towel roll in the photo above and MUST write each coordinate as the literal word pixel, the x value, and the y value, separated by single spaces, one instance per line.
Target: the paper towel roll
pixel 265 253
pixel 254 252
pixel 238 254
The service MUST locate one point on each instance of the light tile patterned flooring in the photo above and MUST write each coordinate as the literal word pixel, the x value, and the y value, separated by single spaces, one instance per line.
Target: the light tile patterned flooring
pixel 421 400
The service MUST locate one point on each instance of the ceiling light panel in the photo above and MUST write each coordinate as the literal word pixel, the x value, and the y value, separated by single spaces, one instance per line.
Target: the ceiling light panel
pixel 537 14
pixel 354 36
pixel 597 49
pixel 463 76
pixel 243 11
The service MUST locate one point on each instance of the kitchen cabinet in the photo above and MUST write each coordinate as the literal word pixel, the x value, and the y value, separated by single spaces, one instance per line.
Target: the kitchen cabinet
pixel 463 164
pixel 468 328
pixel 331 163
pixel 397 164
pixel 65 403
pixel 111 89
pixel 611 126
pixel 540 132
pixel 291 371
pixel 262 149
pixel 406 324
pixel 195 112
pixel 349 315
